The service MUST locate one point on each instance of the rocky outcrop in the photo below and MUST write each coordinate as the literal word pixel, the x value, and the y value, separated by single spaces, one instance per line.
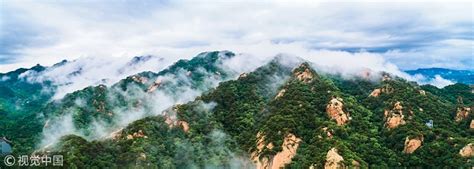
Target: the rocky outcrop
pixel 385 89
pixel 462 113
pixel 394 121
pixel 333 160
pixel 328 132
pixel 116 134
pixel 386 77
pixel 467 151
pixel 173 122
pixel 289 147
pixel 335 111
pixel 139 79
pixel 261 163
pixel 184 125
pixel 306 75
pixel 394 117
pixel 243 75
pixel 157 83
pixel 422 92
pixel 142 157
pixel 279 160
pixel 280 93
pixel 412 144
pixel 376 93
pixel 355 164
pixel 138 134
pixel 472 124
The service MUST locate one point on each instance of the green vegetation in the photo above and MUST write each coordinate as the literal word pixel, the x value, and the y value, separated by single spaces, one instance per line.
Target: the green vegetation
pixel 219 128
pixel 20 102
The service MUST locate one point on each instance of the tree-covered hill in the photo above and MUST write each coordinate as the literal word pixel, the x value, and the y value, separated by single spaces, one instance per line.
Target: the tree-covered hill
pixel 292 116
pixel 20 102
pixel 284 114
pixel 33 119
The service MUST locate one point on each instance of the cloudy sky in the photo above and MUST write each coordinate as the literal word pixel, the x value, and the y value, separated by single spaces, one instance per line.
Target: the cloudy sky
pixel 409 35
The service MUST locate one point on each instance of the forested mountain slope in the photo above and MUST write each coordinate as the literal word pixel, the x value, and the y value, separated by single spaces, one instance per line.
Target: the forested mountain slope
pixel 289 115
pixel 33 119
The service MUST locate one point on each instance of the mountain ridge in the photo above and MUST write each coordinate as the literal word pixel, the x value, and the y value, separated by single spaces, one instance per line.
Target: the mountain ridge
pixel 278 115
pixel 277 123
pixel 461 76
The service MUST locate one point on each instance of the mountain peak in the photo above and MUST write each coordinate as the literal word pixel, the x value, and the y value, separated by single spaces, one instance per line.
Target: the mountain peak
pixel 304 72
pixel 216 54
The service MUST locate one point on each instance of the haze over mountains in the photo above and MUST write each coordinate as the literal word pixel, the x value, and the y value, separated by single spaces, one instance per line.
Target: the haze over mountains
pixel 427 74
pixel 226 110
pixel 237 84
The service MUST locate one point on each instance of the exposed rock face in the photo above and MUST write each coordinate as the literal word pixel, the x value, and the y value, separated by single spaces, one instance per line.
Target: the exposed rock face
pixel 385 89
pixel 412 144
pixel 139 79
pixel 462 113
pixel 262 163
pixel 306 75
pixel 398 106
pixel 289 147
pixel 99 105
pixel 142 157
pixel 376 93
pixel 116 134
pixel 395 116
pixel 138 134
pixel 173 122
pixel 386 77
pixel 467 151
pixel 394 121
pixel 184 125
pixel 154 86
pixel 243 75
pixel 422 92
pixel 472 124
pixel 280 93
pixel 334 110
pixel 355 164
pixel 333 160
pixel 328 132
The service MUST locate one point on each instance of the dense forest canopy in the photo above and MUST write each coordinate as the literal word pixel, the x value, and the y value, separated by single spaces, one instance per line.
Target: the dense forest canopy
pixel 282 114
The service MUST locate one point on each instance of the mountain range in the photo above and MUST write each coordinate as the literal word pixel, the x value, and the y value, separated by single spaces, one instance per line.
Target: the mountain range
pixel 461 76
pixel 207 112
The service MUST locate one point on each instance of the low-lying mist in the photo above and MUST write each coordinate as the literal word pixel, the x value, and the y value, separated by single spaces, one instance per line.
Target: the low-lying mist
pixel 75 75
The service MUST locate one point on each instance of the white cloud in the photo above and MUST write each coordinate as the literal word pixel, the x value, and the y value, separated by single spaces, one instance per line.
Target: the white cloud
pixel 84 72
pixel 440 82
pixel 437 80
pixel 178 88
pixel 180 29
